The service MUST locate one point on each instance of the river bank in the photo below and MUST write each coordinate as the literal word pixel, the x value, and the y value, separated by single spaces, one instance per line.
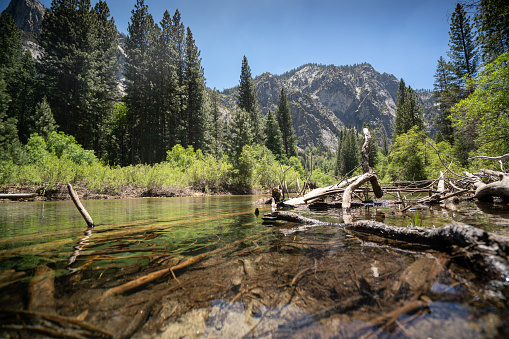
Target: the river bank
pixel 60 192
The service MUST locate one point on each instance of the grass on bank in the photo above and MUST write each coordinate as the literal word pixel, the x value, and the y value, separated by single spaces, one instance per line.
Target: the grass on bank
pixel 59 159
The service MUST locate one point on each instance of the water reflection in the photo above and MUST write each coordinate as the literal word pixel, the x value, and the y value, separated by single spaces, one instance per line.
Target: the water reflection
pixel 78 248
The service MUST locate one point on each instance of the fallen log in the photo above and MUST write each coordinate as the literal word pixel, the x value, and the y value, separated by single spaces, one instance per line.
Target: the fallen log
pixel 487 253
pixel 486 192
pixel 347 194
pixel 16 196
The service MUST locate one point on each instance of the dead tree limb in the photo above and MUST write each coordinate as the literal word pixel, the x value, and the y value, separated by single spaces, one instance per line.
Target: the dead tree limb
pixel 377 189
pixel 80 207
pixel 347 194
pixel 505 156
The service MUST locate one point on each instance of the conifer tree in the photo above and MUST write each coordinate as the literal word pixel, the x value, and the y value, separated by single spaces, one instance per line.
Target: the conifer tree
pixel 284 119
pixel 273 136
pixel 195 122
pixel 240 133
pixel 10 147
pixel 178 38
pixel 492 21
pixel 462 48
pixel 19 72
pixel 248 100
pixel 167 85
pixel 44 123
pixel 348 151
pixel 217 126
pixel 139 78
pixel 408 110
pixel 78 67
pixel 447 92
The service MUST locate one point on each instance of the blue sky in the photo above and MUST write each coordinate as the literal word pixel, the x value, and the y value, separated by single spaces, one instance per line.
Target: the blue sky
pixel 400 37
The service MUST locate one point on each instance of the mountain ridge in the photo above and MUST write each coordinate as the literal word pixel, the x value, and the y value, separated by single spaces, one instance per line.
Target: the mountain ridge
pixel 327 98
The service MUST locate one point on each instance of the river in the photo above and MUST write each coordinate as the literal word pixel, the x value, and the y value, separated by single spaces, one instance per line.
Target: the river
pixel 246 278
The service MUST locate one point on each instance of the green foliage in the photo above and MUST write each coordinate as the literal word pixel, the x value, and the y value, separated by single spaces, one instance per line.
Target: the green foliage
pixel 58 145
pixel 407 160
pixel 182 158
pixel 118 147
pixel 486 108
pixel 416 220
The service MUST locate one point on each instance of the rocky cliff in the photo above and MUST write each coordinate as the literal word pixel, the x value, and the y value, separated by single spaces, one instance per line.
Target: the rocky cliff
pixel 325 99
pixel 27 14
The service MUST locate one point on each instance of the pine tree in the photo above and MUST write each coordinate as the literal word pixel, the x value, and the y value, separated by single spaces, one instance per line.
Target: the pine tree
pixel 78 67
pixel 195 87
pixel 10 147
pixel 408 110
pixel 44 123
pixel 348 152
pixel 492 22
pixel 168 83
pixel 462 49
pixel 217 126
pixel 20 75
pixel 248 100
pixel 106 92
pixel 273 136
pixel 284 119
pixel 447 92
pixel 179 37
pixel 240 133
pixel 139 74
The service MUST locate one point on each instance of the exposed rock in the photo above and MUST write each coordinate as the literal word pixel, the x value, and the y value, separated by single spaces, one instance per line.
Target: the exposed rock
pixel 27 14
pixel 325 99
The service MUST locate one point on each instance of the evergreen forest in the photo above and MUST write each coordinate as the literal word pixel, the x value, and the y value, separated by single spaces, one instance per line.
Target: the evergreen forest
pixel 64 117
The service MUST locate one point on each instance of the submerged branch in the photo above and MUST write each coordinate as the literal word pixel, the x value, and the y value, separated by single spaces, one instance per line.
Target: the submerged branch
pixel 486 251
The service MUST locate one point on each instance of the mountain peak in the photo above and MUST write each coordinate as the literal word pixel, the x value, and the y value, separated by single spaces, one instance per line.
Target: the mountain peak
pixel 27 14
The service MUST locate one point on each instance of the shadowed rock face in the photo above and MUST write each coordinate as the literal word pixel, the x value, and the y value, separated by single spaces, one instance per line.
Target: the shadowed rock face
pixel 27 14
pixel 325 99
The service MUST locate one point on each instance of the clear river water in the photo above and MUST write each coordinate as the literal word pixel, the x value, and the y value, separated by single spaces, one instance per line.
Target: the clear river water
pixel 239 276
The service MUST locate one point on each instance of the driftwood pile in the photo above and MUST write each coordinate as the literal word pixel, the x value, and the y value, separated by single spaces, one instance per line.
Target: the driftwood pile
pixel 485 186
